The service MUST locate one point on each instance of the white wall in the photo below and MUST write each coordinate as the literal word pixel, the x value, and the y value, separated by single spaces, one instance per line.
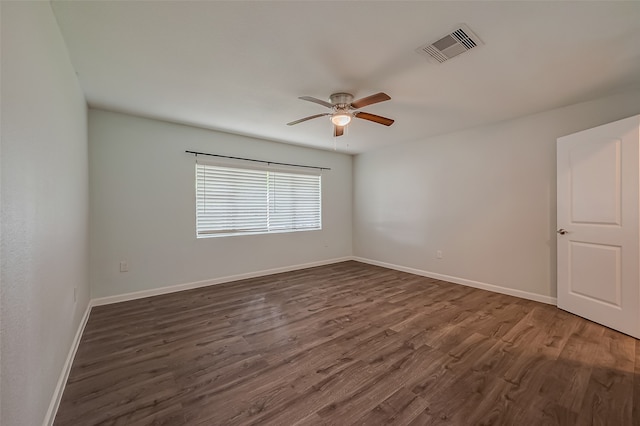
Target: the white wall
pixel 143 207
pixel 486 197
pixel 44 210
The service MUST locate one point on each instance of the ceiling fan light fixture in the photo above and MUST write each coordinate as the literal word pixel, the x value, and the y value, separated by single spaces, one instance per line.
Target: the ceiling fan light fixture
pixel 341 118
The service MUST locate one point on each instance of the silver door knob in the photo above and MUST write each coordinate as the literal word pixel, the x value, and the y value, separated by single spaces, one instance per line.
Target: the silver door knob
pixel 562 231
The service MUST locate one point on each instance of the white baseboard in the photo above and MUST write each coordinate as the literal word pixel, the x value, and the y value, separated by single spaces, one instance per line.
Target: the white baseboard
pixel 469 283
pixel 188 286
pixel 66 369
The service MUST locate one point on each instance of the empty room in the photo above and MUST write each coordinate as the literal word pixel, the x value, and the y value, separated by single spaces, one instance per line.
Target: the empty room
pixel 320 213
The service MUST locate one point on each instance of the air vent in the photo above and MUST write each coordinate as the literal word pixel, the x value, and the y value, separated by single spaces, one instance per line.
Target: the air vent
pixel 458 41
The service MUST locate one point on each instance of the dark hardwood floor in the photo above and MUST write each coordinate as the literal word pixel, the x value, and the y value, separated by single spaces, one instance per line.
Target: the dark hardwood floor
pixel 348 344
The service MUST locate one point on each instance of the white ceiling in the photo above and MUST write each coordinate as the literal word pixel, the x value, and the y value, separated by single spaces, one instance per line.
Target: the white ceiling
pixel 240 66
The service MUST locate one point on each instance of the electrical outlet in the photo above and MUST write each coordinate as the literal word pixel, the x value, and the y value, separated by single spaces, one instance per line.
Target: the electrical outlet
pixel 438 254
pixel 124 266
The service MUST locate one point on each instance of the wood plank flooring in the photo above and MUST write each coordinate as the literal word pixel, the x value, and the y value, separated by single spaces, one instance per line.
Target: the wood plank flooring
pixel 345 344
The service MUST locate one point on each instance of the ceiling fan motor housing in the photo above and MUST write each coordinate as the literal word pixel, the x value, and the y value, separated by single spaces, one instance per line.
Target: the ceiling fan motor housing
pixel 341 100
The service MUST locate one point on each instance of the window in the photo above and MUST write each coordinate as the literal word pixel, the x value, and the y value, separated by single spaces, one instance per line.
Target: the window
pixel 235 201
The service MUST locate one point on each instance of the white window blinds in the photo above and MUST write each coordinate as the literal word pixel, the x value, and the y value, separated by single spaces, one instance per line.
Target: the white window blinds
pixel 232 201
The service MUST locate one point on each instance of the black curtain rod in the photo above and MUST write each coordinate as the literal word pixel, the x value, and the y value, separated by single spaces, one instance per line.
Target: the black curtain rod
pixel 257 161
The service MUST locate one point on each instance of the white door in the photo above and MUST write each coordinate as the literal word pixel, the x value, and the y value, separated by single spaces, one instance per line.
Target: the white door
pixel 598 235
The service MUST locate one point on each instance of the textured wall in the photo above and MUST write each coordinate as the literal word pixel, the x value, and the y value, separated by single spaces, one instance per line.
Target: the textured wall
pixel 44 210
pixel 143 207
pixel 485 197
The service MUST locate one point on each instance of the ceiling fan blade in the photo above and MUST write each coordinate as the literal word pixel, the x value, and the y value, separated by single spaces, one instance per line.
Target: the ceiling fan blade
pixel 373 99
pixel 338 130
pixel 316 100
pixel 307 118
pixel 375 118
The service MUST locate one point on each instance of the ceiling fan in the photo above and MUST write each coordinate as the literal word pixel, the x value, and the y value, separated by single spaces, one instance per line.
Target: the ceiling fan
pixel 343 109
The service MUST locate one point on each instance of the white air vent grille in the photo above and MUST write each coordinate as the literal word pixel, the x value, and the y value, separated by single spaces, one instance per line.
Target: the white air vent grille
pixel 458 41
